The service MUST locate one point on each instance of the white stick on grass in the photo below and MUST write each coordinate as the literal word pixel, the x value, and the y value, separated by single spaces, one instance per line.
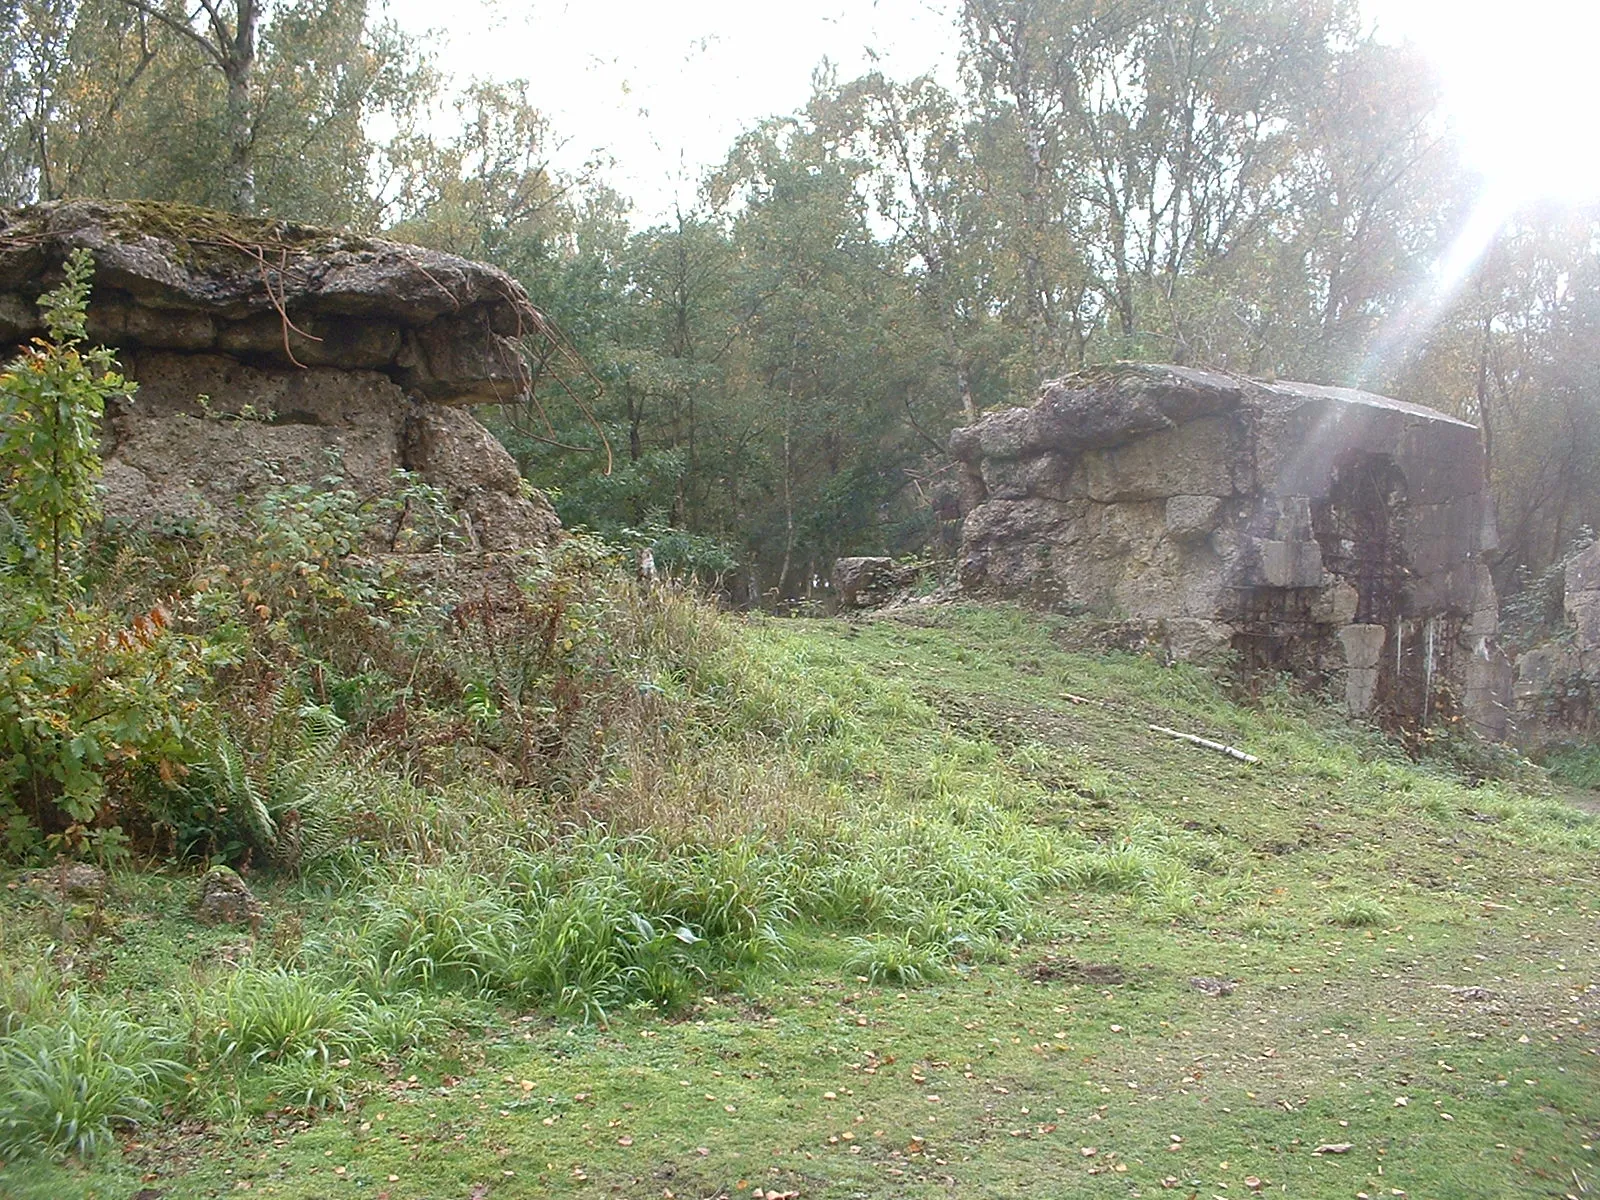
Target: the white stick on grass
pixel 1219 747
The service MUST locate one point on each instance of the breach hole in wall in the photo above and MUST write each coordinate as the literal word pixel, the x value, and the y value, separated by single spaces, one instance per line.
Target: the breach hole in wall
pixel 1360 527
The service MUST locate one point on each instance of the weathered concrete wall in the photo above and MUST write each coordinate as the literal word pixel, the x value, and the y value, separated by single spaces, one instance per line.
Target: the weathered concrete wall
pixel 1319 530
pixel 1557 683
pixel 268 353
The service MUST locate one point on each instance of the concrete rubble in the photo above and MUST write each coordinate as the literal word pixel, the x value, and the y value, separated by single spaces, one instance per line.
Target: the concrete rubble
pixel 1331 533
pixel 269 353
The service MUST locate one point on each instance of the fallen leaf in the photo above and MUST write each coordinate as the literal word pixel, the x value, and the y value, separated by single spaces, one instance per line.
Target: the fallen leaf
pixel 1334 1148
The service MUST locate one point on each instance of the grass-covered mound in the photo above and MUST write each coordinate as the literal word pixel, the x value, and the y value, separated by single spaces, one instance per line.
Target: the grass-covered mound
pixel 839 910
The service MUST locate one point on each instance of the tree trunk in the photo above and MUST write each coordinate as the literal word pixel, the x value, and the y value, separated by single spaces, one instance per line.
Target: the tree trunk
pixel 238 67
pixel 233 53
pixel 788 493
pixel 1485 427
pixel 635 421
pixel 788 468
pixel 241 179
pixel 933 257
pixel 964 385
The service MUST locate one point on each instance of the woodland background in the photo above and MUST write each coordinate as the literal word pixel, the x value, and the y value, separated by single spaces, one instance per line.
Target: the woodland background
pixel 1254 185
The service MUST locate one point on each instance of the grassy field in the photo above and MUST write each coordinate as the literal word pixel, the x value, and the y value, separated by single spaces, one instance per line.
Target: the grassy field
pixel 924 910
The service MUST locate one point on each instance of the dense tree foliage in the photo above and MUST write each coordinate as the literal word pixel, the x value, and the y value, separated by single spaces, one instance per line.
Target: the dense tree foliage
pixel 1255 185
pixel 246 106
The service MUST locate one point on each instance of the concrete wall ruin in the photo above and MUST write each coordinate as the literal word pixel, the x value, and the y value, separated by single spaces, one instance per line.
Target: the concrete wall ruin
pixel 268 353
pixel 1557 682
pixel 1323 531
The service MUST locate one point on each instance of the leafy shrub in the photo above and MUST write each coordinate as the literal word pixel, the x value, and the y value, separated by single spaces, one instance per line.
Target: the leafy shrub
pixel 92 708
pixel 86 693
pixel 302 556
pixel 51 400
pixel 1533 609
pixel 681 553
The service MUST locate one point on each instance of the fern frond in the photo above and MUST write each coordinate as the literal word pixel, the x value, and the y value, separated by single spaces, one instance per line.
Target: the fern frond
pixel 230 775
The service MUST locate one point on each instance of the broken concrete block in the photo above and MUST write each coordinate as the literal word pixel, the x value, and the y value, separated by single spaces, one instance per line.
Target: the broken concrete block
pixel 1363 644
pixel 1290 564
pixel 1191 518
pixel 1283 511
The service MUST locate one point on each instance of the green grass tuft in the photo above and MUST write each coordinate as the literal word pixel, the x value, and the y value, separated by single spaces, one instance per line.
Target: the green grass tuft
pixel 895 961
pixel 255 1015
pixel 1359 912
pixel 69 1084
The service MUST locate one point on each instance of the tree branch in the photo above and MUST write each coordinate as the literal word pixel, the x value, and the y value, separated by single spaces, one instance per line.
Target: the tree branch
pixel 218 27
pixel 181 28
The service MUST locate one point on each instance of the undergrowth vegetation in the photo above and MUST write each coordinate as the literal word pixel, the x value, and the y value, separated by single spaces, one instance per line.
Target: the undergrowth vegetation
pixel 762 796
pixel 588 895
pixel 530 782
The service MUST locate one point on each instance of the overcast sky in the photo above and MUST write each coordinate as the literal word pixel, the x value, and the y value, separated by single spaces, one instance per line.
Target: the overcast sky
pixel 664 88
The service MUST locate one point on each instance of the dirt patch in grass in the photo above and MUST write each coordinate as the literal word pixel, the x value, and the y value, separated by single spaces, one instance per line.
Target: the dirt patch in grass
pixel 1051 969
pixel 1586 799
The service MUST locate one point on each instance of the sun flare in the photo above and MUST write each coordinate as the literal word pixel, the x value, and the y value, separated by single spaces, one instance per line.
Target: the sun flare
pixel 1519 87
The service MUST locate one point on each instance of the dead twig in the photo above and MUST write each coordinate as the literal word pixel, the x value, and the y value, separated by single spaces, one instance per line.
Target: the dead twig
pixel 1207 743
pixel 1192 739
